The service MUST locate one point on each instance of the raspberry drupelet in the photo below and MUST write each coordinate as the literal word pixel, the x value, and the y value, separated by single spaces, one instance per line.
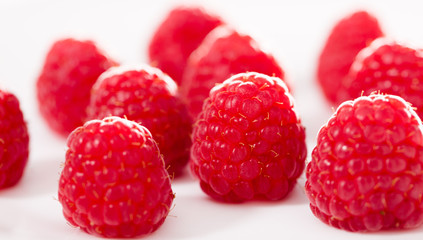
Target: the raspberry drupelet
pixel 14 140
pixel 366 170
pixel 63 87
pixel 248 141
pixel 114 183
pixel 147 96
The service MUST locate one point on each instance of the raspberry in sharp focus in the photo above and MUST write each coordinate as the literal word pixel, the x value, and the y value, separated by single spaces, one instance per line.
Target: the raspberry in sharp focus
pixel 177 36
pixel 366 170
pixel 248 141
pixel 347 38
pixel 223 53
pixel 63 87
pixel 148 96
pixel 114 183
pixel 14 140
pixel 388 67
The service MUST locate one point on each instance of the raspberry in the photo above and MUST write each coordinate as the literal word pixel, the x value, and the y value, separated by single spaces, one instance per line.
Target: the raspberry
pixel 248 141
pixel 148 96
pixel 63 87
pixel 366 170
pixel 14 140
pixel 388 67
pixel 177 36
pixel 223 53
pixel 348 37
pixel 114 183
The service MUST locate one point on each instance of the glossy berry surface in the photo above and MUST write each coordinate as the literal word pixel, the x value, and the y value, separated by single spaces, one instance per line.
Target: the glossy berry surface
pixel 114 183
pixel 63 87
pixel 387 67
pixel 248 141
pixel 366 170
pixel 14 140
pixel 183 29
pixel 350 35
pixel 147 96
pixel 223 53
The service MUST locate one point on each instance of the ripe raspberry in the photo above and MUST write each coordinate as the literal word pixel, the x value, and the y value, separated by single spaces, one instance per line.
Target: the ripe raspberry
pixel 148 96
pixel 14 140
pixel 348 37
pixel 366 170
pixel 177 36
pixel 114 183
pixel 223 53
pixel 248 141
pixel 63 87
pixel 388 67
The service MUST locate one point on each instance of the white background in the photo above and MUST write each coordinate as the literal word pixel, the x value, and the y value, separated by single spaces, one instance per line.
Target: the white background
pixel 293 31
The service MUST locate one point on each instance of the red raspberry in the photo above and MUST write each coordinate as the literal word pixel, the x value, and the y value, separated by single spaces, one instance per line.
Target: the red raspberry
pixel 387 67
pixel 348 37
pixel 63 87
pixel 248 141
pixel 148 96
pixel 177 36
pixel 223 53
pixel 14 140
pixel 114 183
pixel 366 170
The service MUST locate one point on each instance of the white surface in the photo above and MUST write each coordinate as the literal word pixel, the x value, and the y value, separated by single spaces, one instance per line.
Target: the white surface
pixel 293 32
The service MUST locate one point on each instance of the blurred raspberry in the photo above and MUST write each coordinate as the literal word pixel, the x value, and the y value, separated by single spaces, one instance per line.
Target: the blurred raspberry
pixel 14 140
pixel 387 67
pixel 114 183
pixel 147 96
pixel 178 35
pixel 223 53
pixel 248 141
pixel 347 38
pixel 63 87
